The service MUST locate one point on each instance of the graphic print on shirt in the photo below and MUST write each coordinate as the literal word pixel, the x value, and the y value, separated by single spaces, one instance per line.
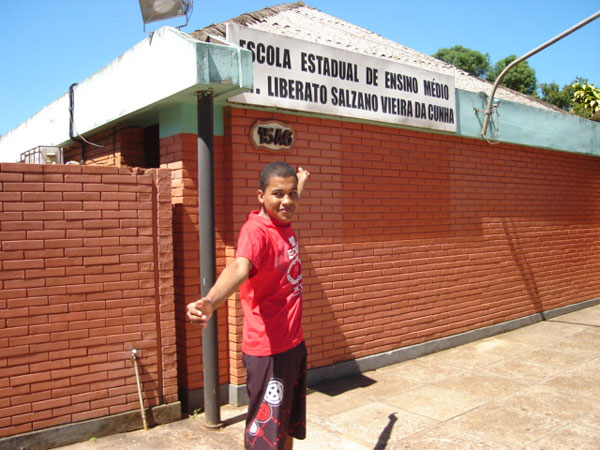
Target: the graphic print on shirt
pixel 294 271
pixel 265 417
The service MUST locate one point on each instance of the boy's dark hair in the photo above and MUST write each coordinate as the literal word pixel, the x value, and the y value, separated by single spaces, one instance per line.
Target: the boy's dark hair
pixel 276 169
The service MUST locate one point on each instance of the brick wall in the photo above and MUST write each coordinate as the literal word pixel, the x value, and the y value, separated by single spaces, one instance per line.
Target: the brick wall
pixel 86 276
pixel 408 236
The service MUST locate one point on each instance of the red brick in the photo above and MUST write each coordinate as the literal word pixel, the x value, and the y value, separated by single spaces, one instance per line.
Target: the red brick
pixel 83 215
pixel 23 245
pixel 80 197
pixel 13 430
pixel 90 414
pixel 89 378
pixel 84 288
pixel 69 335
pixel 50 404
pixel 63 224
pixel 36 253
pixel 92 187
pixel 9 186
pixel 89 342
pixel 29 340
pixel 74 409
pixel 84 179
pixel 55 421
pixel 30 379
pixel 4 176
pixel 63 187
pixel 107 402
pixel 70 353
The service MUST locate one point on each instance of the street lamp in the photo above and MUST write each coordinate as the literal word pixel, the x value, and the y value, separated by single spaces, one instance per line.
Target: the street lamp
pixel 155 10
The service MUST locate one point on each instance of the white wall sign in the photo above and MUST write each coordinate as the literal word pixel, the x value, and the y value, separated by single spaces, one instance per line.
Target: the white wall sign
pixel 299 75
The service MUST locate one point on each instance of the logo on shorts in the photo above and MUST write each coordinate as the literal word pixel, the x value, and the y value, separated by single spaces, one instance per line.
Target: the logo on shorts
pixel 264 415
pixel 273 397
pixel 274 392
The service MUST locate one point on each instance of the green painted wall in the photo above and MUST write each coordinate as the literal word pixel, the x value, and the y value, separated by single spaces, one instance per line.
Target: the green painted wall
pixel 520 124
pixel 183 118
pixel 176 119
pixel 513 123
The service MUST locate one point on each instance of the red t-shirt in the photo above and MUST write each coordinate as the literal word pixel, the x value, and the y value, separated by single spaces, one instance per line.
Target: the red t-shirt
pixel 272 295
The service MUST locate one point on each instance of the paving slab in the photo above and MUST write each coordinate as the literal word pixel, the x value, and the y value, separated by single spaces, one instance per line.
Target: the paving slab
pixel 446 404
pixel 511 427
pixel 576 437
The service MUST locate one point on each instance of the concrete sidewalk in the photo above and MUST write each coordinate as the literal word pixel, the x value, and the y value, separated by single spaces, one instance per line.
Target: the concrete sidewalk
pixel 536 388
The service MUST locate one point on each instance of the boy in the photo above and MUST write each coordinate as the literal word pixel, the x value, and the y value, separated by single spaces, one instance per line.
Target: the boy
pixel 267 270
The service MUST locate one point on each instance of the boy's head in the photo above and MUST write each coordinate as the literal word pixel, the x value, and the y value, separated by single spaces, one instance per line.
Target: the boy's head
pixel 275 169
pixel 278 193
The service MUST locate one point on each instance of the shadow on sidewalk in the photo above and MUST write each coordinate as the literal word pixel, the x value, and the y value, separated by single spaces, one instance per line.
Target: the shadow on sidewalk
pixel 333 388
pixel 384 437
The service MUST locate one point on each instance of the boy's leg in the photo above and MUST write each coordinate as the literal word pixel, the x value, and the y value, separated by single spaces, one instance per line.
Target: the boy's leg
pixel 277 390
pixel 297 423
pixel 289 443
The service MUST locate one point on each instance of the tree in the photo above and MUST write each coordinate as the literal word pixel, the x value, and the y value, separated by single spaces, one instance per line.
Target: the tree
pixel 587 95
pixel 553 94
pixel 472 61
pixel 564 98
pixel 520 78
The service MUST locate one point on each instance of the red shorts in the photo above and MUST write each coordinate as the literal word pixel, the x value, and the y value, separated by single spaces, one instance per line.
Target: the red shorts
pixel 277 389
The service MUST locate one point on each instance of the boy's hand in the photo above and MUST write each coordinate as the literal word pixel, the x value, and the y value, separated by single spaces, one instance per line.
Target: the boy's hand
pixel 302 177
pixel 200 312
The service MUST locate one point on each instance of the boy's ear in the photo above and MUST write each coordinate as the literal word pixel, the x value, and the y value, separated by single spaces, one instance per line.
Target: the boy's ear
pixel 261 196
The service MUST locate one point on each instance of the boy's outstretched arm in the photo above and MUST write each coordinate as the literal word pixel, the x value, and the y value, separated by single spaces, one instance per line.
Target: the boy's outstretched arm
pixel 200 311
pixel 302 177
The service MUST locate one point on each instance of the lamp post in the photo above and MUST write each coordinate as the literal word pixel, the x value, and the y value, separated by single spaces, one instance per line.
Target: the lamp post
pixel 155 10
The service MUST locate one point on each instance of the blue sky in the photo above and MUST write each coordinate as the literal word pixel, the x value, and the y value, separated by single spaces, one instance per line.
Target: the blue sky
pixel 46 45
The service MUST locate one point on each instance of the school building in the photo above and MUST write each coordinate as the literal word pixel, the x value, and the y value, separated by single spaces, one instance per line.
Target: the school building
pixel 416 232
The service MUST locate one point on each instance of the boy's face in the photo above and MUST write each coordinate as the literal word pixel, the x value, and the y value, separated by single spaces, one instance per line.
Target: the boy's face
pixel 280 199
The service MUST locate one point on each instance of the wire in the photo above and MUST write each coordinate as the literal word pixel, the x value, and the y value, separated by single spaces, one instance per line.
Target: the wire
pixel 73 133
pixel 494 127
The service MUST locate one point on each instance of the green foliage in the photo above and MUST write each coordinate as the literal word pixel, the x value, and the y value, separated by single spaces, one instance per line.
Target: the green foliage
pixel 565 97
pixel 588 96
pixel 520 78
pixel 553 94
pixel 472 61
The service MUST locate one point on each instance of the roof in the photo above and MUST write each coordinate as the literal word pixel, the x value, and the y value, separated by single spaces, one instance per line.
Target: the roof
pixel 301 21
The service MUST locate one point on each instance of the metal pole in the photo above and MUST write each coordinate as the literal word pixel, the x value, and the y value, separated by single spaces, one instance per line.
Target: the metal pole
pixel 206 218
pixel 139 387
pixel 488 109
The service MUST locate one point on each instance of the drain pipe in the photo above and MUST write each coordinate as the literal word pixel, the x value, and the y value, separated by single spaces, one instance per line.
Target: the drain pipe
pixel 139 387
pixel 206 219
pixel 490 103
